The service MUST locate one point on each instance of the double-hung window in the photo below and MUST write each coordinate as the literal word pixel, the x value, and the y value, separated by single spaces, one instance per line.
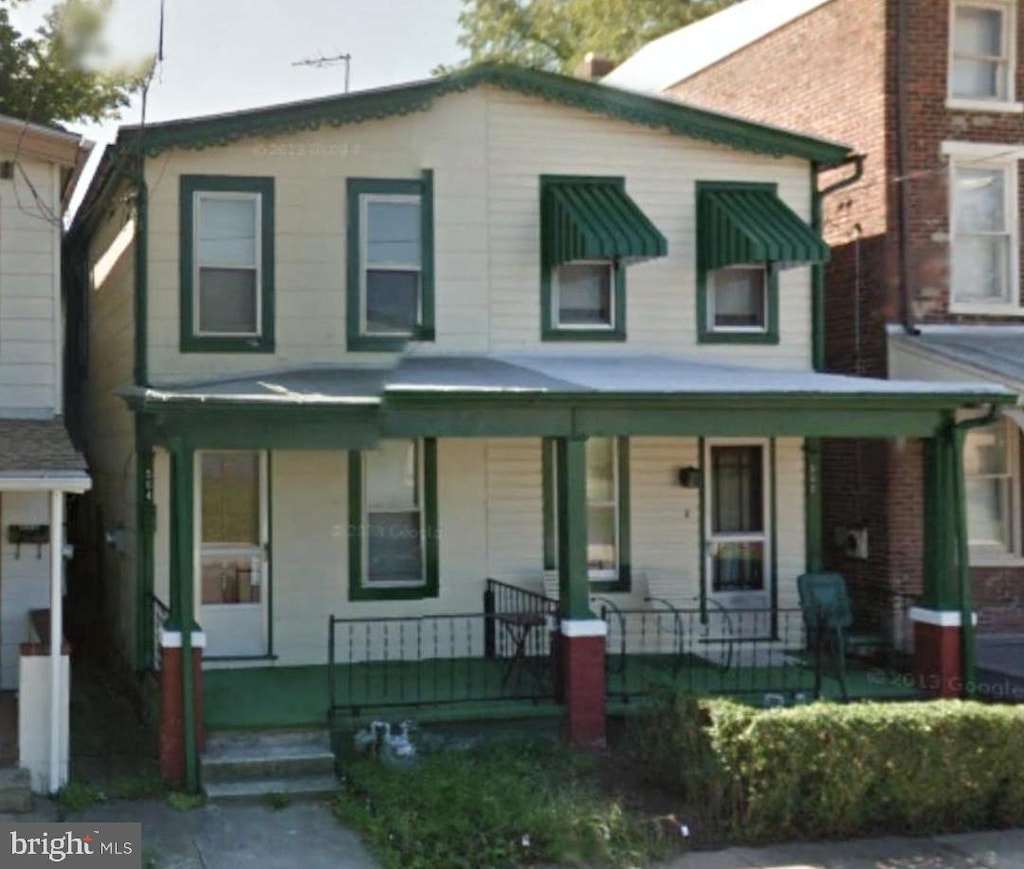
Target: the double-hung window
pixel 393 520
pixel 990 460
pixel 983 238
pixel 608 525
pixel 590 230
pixel 390 262
pixel 982 62
pixel 227 264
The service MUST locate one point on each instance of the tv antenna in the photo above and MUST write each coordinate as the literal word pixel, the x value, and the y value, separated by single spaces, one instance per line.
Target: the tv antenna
pixel 321 61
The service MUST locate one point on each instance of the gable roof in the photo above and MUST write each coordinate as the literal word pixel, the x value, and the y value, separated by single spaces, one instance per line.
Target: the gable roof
pixel 682 53
pixel 671 115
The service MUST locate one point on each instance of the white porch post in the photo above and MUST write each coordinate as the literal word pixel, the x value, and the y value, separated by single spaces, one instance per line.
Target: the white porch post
pixel 56 631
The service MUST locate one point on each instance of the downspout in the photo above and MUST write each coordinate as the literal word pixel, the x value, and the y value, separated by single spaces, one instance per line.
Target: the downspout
pixel 902 164
pixel 968 656
pixel 812 446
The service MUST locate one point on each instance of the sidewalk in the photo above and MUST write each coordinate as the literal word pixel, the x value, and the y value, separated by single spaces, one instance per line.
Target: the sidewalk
pixel 998 850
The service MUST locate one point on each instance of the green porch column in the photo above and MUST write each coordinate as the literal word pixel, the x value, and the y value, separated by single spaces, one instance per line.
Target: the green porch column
pixel 813 505
pixel 571 478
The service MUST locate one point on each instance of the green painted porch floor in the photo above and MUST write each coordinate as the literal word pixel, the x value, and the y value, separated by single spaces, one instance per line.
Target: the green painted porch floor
pixel 471 689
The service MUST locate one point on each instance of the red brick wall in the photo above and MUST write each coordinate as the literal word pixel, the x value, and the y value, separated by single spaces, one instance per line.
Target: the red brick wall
pixel 999 598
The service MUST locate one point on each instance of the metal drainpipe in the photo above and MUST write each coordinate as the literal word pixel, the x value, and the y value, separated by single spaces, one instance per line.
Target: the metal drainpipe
pixel 968 657
pixel 902 163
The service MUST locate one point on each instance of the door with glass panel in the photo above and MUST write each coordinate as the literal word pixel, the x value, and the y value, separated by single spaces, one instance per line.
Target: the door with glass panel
pixel 737 540
pixel 233 568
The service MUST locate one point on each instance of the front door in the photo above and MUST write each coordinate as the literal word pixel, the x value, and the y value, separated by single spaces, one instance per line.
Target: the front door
pixel 737 540
pixel 233 567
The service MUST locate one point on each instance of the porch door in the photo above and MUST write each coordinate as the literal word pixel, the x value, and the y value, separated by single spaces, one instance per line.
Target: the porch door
pixel 737 539
pixel 233 567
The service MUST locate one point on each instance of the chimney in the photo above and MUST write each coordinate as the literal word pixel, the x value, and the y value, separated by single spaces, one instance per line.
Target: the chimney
pixel 593 67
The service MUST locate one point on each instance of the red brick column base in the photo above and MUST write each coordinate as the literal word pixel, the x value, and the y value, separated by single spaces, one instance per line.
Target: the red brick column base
pixel 938 659
pixel 172 711
pixel 583 681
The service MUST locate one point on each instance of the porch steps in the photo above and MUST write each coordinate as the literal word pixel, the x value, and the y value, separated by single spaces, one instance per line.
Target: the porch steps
pixel 252 765
pixel 15 791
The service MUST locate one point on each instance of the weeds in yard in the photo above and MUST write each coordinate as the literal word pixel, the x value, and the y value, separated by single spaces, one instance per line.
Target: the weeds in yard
pixel 278 800
pixel 507 805
pixel 78 796
pixel 184 802
pixel 141 786
pixel 150 857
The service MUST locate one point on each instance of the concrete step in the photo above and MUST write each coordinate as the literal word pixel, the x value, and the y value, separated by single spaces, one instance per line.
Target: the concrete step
pixel 295 788
pixel 254 764
pixel 15 790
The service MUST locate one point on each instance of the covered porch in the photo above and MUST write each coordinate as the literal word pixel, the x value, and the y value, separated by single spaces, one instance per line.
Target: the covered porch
pixel 653 512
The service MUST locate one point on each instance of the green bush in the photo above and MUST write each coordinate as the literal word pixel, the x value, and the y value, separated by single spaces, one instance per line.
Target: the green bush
pixel 505 805
pixel 828 770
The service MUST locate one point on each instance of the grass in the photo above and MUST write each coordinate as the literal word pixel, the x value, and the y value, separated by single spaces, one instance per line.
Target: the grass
pixel 185 802
pixel 510 804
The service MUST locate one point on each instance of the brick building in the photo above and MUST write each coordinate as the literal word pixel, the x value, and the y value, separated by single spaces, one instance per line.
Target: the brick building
pixel 924 280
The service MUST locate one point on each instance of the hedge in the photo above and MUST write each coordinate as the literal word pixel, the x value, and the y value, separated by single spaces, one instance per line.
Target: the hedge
pixel 831 770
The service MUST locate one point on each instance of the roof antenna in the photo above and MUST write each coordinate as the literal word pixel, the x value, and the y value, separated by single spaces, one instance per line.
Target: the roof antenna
pixel 321 61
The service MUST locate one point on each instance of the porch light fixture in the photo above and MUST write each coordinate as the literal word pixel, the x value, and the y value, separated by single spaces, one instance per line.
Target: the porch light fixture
pixel 689 477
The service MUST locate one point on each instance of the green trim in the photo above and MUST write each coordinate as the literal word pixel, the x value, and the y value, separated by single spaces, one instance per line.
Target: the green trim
pixel 550 509
pixel 141 262
pixel 574 586
pixel 550 332
pixel 264 187
pixel 356 187
pixel 145 524
pixel 357 590
pixel 663 114
pixel 813 499
pixel 773 536
pixel 817 281
pixel 703 536
pixel 270 554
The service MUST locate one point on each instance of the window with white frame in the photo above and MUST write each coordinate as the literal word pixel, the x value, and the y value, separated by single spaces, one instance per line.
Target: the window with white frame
pixel 583 295
pixel 990 459
pixel 982 50
pixel 227 264
pixel 984 244
pixel 392 263
pixel 738 299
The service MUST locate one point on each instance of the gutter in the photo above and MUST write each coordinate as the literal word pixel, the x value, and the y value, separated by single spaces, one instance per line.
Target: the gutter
pixel 968 653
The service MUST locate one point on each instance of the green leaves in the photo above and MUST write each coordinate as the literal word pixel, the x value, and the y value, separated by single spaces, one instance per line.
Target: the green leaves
pixel 556 34
pixel 62 72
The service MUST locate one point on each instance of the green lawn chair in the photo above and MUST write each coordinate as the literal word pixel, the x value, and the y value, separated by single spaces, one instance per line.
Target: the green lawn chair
pixel 828 618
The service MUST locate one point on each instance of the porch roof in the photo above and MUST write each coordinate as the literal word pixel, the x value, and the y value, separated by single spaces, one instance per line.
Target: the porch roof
pixel 980 351
pixel 549 395
pixel 37 454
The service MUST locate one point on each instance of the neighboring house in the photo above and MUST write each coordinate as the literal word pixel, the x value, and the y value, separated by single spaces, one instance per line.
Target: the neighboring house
pixel 355 355
pixel 38 465
pixel 925 277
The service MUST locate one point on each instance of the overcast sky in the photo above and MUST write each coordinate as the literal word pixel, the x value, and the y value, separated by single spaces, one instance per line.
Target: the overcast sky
pixel 221 55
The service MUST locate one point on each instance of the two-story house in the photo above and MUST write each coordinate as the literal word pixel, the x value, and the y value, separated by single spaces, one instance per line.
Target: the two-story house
pixel 350 358
pixel 38 465
pixel 924 280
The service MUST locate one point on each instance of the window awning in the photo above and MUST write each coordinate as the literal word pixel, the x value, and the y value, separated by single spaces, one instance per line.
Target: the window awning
pixel 584 219
pixel 752 225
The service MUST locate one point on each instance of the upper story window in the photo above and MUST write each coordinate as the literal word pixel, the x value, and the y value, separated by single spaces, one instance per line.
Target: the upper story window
pixel 390 262
pixel 745 235
pixel 227 264
pixel 983 51
pixel 984 237
pixel 590 230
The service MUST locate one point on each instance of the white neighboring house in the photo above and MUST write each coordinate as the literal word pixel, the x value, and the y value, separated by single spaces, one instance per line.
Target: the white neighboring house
pixel 38 464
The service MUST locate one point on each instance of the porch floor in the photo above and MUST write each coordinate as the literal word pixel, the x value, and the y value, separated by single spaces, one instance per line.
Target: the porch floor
pixel 282 697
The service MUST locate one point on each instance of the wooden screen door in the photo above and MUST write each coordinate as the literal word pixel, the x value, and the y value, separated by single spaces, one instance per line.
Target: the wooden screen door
pixel 231 536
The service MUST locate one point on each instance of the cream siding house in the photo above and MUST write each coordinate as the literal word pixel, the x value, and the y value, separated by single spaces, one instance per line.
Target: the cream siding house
pixel 351 358
pixel 38 465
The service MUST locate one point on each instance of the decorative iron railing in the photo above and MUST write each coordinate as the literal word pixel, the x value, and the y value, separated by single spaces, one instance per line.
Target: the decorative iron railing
pixel 502 654
pixel 159 613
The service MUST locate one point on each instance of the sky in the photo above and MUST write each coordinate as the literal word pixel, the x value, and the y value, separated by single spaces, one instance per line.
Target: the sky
pixel 222 55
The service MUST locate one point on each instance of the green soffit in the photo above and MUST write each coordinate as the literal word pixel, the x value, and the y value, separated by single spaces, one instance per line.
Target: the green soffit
pixel 591 218
pixel 649 111
pixel 752 225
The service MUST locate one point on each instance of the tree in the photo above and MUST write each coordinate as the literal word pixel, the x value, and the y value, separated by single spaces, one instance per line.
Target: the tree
pixel 58 73
pixel 556 34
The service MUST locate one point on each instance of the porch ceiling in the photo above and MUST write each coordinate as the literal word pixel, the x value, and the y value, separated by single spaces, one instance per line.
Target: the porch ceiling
pixel 547 394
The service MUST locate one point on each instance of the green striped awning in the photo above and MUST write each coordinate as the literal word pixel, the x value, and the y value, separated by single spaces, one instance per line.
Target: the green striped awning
pixel 594 218
pixel 750 224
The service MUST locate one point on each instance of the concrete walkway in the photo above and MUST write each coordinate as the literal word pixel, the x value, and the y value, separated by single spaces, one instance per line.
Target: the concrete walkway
pixel 999 850
pixel 229 836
